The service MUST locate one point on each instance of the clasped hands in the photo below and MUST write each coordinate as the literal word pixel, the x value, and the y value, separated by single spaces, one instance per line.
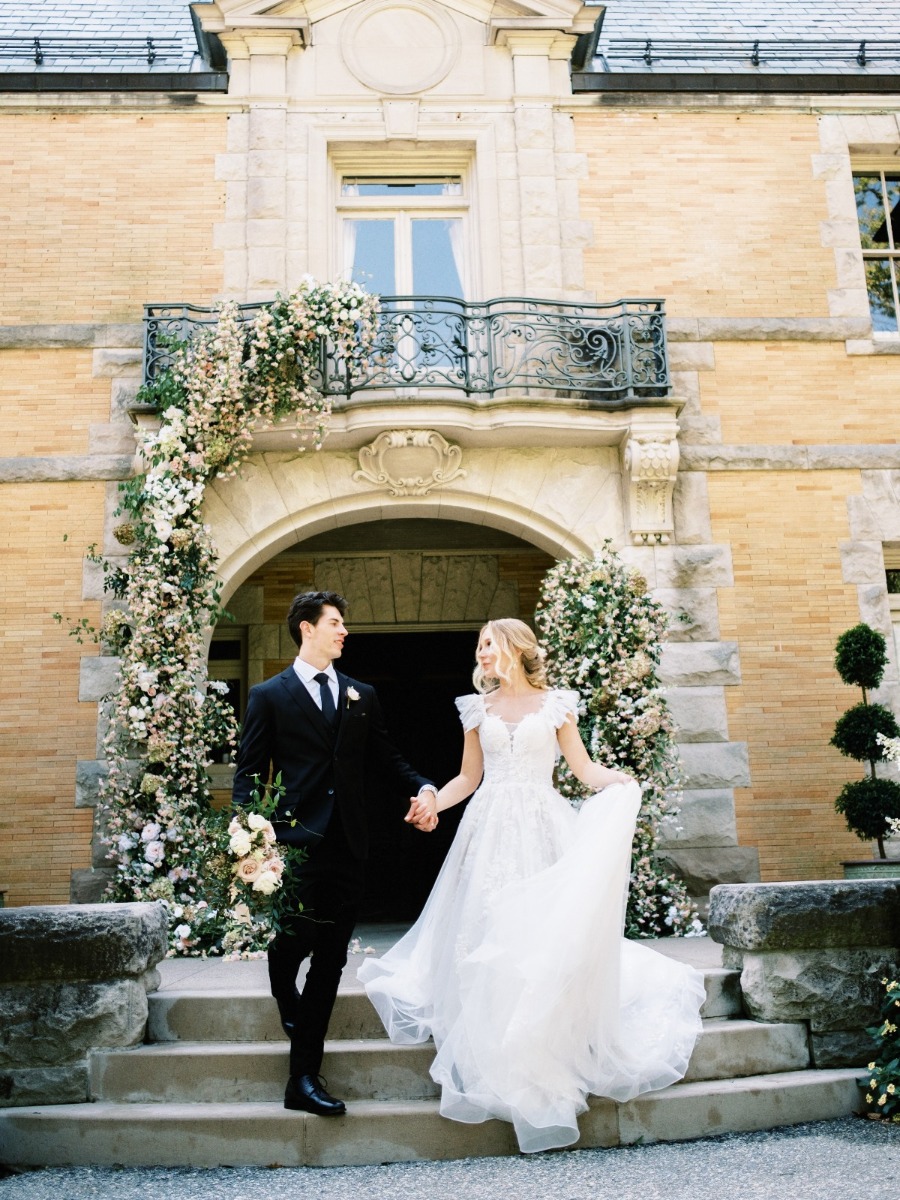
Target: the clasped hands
pixel 423 812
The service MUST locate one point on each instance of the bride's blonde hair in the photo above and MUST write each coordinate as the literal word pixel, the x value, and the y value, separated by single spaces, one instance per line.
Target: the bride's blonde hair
pixel 516 646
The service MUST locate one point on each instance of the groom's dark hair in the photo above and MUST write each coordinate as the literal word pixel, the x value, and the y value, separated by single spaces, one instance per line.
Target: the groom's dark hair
pixel 308 607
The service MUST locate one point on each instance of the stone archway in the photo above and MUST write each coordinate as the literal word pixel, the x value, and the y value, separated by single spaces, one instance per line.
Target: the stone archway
pixel 418 590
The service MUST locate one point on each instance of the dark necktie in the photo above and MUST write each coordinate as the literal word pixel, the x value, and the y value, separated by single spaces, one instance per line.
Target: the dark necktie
pixel 329 712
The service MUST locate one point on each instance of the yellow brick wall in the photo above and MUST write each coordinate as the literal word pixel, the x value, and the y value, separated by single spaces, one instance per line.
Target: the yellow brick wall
pixel 717 212
pixel 103 212
pixel 44 730
pixel 786 610
pixel 787 393
pixel 49 400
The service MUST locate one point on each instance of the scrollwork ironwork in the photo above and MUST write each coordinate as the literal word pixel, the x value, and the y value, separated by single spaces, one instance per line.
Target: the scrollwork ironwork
pixel 602 353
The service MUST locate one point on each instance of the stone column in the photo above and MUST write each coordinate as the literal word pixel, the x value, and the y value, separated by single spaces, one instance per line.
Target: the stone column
pixel 74 979
pixel 813 952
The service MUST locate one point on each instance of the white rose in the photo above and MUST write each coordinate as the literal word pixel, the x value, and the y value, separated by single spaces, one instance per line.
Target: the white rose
pixel 150 832
pixel 155 853
pixel 255 821
pixel 240 843
pixel 265 882
pixel 235 826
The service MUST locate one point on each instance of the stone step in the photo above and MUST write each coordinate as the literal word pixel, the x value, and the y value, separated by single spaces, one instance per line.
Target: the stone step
pixel 197 1016
pixel 264 1134
pixel 373 1069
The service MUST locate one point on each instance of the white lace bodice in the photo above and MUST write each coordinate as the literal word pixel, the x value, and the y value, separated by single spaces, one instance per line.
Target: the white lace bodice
pixel 524 752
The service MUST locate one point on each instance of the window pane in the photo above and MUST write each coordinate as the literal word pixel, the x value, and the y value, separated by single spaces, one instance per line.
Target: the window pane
pixel 893 581
pixel 870 211
pixel 880 284
pixel 437 257
pixel 892 187
pixel 369 254
pixel 449 185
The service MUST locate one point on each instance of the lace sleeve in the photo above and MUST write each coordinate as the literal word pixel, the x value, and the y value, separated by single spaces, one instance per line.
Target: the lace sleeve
pixel 471 711
pixel 560 704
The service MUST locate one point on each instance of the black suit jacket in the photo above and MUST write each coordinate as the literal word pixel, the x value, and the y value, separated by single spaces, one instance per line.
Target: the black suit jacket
pixel 321 769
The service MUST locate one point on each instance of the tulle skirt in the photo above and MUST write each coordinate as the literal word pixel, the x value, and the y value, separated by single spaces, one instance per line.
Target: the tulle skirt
pixel 518 969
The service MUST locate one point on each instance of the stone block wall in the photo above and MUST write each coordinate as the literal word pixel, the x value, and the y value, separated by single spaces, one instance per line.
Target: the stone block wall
pixel 813 952
pixel 73 979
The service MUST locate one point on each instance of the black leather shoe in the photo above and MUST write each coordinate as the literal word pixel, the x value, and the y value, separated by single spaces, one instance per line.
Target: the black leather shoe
pixel 307 1093
pixel 287 1010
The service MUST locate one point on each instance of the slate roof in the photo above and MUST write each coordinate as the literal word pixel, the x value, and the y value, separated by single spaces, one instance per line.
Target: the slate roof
pixel 716 37
pixel 108 36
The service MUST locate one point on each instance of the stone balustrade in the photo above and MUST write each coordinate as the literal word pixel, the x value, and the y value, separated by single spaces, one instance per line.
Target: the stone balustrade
pixel 813 952
pixel 73 978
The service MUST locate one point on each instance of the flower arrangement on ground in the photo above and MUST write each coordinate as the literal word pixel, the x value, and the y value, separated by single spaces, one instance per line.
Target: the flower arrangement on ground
pixel 165 716
pixel 883 1081
pixel 603 634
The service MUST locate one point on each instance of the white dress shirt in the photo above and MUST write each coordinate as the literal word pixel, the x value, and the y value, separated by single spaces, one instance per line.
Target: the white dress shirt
pixel 307 673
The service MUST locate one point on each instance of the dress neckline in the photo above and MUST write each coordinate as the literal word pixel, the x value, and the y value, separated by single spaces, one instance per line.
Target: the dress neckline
pixel 515 724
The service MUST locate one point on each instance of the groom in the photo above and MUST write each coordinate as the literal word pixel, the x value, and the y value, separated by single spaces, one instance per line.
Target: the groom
pixel 324 733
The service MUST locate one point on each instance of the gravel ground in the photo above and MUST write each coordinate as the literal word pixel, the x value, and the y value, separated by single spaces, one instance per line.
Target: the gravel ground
pixel 850 1159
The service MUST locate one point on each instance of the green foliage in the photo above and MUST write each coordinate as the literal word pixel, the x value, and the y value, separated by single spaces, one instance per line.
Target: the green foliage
pixel 883 1082
pixel 868 805
pixel 856 732
pixel 861 656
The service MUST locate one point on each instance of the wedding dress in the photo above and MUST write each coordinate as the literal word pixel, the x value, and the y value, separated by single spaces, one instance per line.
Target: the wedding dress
pixel 517 966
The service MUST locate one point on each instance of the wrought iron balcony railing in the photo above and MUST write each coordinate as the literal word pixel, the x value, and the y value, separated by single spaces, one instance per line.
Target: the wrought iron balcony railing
pixel 612 354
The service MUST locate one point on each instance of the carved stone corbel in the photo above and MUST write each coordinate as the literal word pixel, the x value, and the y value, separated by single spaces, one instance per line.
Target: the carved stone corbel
pixel 409 462
pixel 649 470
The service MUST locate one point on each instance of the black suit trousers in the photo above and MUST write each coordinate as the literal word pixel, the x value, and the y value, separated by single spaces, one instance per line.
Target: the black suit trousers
pixel 329 885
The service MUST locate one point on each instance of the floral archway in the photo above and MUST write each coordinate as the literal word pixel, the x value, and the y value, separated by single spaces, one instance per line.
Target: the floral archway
pixel 165 716
pixel 164 838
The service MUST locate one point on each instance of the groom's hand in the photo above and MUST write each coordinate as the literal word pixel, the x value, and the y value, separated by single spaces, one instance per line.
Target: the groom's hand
pixel 423 812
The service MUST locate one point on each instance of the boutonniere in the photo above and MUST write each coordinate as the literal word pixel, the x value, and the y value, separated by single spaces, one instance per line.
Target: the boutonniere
pixel 352 694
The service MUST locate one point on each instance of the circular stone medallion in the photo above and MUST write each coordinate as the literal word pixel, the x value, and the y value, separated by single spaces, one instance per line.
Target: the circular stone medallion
pixel 400 48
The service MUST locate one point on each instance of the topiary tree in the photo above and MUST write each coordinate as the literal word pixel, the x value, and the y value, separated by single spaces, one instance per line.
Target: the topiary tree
pixel 603 634
pixel 868 805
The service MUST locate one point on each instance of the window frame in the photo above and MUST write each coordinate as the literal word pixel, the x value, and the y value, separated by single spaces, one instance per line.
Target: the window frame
pixel 862 168
pixel 355 162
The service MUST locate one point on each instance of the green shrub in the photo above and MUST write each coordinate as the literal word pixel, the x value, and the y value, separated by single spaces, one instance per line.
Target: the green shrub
pixel 861 656
pixel 856 733
pixel 868 805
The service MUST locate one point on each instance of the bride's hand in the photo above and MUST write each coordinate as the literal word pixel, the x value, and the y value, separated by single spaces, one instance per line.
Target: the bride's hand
pixel 622 778
pixel 422 812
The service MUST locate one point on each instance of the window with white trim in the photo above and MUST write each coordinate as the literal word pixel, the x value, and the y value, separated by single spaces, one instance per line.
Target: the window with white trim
pixel 878 211
pixel 405 235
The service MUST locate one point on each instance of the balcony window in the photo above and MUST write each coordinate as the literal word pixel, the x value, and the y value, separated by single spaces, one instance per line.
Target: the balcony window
pixel 405 236
pixel 878 211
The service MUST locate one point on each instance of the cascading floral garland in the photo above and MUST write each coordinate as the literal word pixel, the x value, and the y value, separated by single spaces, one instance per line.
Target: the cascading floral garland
pixel 603 634
pixel 165 717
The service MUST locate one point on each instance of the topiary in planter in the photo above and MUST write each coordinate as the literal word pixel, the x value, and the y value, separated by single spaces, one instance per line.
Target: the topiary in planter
pixel 867 804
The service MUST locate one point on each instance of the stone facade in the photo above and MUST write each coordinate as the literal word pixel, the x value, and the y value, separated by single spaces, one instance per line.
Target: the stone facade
pixel 758 497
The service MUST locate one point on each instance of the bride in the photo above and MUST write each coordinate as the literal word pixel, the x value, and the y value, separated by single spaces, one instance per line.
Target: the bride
pixel 517 966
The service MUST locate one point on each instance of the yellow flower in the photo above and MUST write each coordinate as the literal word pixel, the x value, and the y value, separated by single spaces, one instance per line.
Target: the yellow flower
pixel 868 1098
pixel 871 1066
pixel 873 1083
pixel 882 1099
pixel 891 1089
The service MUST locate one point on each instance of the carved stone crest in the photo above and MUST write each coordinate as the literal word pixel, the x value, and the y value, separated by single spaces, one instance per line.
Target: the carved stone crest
pixel 650 468
pixel 409 462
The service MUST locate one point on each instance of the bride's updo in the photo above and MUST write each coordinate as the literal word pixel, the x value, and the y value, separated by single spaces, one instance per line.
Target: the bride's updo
pixel 517 649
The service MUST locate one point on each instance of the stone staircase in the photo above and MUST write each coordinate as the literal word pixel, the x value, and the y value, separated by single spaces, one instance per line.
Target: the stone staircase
pixel 206 1090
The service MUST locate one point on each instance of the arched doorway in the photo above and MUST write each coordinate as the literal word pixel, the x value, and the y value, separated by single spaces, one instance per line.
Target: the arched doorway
pixel 418 591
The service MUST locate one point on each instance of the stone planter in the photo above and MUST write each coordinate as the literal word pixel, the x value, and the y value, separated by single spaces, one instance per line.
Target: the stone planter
pixel 872 868
pixel 813 952
pixel 74 978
